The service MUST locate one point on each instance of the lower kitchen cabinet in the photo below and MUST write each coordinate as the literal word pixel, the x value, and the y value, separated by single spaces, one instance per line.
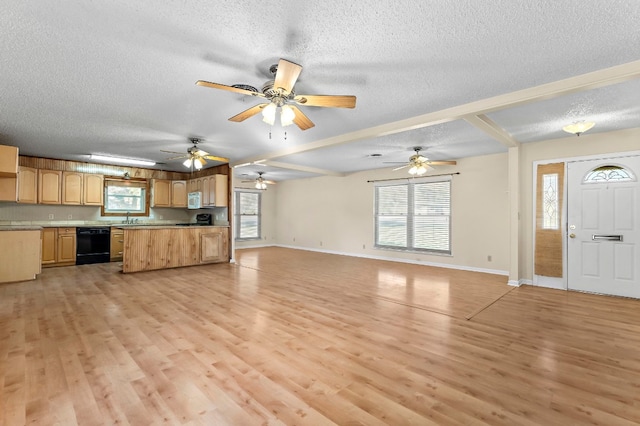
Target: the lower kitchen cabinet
pixel 117 244
pixel 214 246
pixel 58 246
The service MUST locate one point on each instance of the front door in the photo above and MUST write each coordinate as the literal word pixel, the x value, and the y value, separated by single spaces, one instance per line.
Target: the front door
pixel 603 216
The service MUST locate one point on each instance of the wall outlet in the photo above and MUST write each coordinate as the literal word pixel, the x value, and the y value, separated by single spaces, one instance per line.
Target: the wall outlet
pixel 320 243
pixel 160 217
pixel 489 258
pixel 294 239
pixel 50 216
pixel 70 217
pixel 363 247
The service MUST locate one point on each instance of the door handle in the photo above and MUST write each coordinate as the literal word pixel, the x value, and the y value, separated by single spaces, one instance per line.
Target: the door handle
pixel 572 235
pixel 606 237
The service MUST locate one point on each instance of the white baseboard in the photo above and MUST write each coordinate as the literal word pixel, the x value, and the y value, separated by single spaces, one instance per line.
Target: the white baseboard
pixel 518 283
pixel 395 259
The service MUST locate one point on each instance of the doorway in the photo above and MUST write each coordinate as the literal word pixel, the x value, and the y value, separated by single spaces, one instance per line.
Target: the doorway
pixel 603 226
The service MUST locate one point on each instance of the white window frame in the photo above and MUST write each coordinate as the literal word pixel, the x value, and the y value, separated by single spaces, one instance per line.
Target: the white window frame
pixel 238 214
pixel 409 245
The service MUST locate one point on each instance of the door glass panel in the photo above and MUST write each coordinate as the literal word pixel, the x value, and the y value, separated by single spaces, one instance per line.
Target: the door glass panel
pixel 550 201
pixel 608 173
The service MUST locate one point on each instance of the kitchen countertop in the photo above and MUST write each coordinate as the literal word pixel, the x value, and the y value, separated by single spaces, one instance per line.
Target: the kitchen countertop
pixel 136 226
pixel 20 228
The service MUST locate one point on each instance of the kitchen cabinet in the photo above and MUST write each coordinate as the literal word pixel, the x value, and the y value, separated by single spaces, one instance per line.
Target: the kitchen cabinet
pixel 93 190
pixel 27 185
pixel 58 246
pixel 214 245
pixel 8 173
pixel 161 193
pixel 20 254
pixel 72 188
pixel 8 161
pixel 49 186
pixel 149 248
pixel 220 196
pixel 66 246
pixel 179 193
pixel 117 244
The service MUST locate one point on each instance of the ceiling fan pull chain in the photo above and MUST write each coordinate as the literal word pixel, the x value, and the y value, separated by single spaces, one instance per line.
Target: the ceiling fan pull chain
pixel 269 134
pixel 285 136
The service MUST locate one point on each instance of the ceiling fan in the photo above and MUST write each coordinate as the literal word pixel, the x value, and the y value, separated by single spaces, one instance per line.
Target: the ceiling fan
pixel 195 157
pixel 419 164
pixel 260 182
pixel 279 94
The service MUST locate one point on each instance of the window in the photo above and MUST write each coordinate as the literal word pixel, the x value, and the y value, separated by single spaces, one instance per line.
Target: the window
pixel 550 219
pixel 609 173
pixel 414 216
pixel 122 196
pixel 247 214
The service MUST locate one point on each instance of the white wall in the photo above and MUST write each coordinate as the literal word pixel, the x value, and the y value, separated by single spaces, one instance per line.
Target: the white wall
pixel 336 214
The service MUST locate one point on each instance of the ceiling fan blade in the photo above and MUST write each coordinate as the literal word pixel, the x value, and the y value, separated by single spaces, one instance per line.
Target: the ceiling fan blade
pixel 248 113
pixel 301 120
pixel 332 101
pixel 215 158
pixel 270 182
pixel 228 88
pixel 441 163
pixel 170 152
pixel 176 157
pixel 401 167
pixel 286 76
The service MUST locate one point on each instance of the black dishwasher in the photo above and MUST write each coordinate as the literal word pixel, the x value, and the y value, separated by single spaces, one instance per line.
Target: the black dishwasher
pixel 93 245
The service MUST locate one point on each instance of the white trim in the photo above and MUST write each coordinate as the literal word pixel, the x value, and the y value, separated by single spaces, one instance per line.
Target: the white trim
pixel 551 282
pixel 395 259
pixel 252 246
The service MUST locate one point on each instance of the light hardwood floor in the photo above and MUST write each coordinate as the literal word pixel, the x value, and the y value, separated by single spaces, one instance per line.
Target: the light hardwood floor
pixel 300 338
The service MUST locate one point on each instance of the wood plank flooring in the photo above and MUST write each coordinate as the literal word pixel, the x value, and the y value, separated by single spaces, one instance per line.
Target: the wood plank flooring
pixel 287 337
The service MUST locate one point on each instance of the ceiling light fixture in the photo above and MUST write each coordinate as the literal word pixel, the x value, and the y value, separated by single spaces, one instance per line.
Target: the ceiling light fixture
pixel 122 160
pixel 261 185
pixel 578 127
pixel 287 114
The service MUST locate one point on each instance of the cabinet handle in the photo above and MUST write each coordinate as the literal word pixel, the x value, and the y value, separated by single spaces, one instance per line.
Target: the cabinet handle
pixel 119 252
pixel 121 241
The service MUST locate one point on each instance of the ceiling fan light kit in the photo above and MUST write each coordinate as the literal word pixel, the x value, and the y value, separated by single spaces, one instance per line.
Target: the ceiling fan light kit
pixel 195 157
pixel 579 127
pixel 419 165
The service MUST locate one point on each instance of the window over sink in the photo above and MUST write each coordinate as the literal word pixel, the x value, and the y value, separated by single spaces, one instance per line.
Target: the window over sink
pixel 125 197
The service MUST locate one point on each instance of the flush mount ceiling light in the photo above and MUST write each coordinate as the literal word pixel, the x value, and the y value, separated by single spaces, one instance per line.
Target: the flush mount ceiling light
pixel 579 127
pixel 121 160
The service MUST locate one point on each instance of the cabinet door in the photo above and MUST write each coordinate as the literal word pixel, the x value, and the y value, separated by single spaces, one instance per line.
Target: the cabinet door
pixel 66 245
pixel 161 193
pixel 8 161
pixel 49 245
pixel 193 185
pixel 93 192
pixel 72 188
pixel 221 191
pixel 206 191
pixel 27 185
pixel 117 244
pixel 49 186
pixel 179 193
pixel 211 247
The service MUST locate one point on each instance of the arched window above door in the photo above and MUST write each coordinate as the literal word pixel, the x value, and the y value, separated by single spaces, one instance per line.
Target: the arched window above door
pixel 609 173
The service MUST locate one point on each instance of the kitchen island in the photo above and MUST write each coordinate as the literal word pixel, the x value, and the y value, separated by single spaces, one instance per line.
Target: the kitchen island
pixel 19 253
pixel 148 248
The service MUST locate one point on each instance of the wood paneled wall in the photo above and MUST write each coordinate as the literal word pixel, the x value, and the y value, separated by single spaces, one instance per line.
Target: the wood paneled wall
pixel 111 170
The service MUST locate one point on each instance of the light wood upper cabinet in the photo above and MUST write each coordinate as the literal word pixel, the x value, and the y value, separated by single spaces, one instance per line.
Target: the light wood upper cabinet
pixel 8 161
pixel 49 186
pixel 72 188
pixel 161 196
pixel 93 190
pixel 178 193
pixel 221 196
pixel 27 185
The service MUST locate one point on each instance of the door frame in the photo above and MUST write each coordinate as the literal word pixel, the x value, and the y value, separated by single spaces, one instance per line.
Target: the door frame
pixel 561 283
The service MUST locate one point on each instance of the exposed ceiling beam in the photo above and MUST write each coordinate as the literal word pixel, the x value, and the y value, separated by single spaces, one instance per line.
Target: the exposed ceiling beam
pixel 592 80
pixel 490 127
pixel 299 168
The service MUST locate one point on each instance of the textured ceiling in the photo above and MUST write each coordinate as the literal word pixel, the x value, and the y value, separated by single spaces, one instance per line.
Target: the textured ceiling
pixel 119 77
